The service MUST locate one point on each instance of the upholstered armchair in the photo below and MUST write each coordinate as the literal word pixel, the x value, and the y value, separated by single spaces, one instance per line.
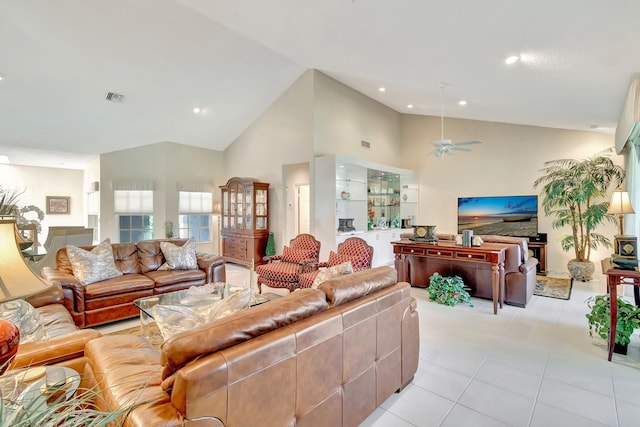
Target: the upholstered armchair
pixel 282 271
pixel 353 249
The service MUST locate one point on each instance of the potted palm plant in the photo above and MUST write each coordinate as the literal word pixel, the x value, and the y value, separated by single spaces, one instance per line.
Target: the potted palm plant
pixel 575 193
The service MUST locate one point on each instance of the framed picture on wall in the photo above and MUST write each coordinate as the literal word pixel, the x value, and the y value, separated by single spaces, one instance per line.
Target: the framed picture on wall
pixel 58 205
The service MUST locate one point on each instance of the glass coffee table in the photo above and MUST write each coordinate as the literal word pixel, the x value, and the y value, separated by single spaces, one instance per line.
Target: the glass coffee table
pixel 185 299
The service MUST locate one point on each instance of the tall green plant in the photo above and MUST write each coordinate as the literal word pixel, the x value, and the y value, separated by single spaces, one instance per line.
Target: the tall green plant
pixel 574 192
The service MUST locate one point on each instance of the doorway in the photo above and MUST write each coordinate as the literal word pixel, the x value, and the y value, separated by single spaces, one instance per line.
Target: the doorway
pixel 303 209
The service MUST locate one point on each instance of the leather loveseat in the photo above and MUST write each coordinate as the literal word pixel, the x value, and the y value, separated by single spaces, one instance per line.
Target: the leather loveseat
pixel 66 343
pixel 316 357
pixel 112 299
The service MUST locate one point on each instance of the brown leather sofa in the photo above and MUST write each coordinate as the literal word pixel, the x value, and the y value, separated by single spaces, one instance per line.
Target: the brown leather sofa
pixel 112 299
pixel 316 357
pixel 66 343
pixel 519 269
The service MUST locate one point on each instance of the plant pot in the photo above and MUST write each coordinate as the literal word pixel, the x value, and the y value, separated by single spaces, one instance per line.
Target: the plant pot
pixel 620 348
pixel 581 270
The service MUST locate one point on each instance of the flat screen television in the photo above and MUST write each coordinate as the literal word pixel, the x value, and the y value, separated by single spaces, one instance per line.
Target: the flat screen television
pixel 502 215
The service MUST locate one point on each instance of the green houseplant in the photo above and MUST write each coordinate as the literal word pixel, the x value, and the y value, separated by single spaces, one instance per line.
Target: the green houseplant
pixel 600 319
pixel 574 192
pixel 448 290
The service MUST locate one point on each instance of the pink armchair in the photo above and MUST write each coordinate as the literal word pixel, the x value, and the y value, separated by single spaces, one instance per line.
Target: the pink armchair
pixel 353 249
pixel 283 271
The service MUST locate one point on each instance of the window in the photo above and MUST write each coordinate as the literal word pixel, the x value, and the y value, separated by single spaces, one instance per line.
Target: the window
pixel 135 215
pixel 194 219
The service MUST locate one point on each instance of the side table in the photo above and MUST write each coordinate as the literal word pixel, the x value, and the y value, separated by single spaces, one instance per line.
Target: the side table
pixel 617 277
pixel 31 396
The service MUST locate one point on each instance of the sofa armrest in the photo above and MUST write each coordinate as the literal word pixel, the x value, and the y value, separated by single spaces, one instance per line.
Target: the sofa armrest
pixel 72 288
pixel 53 295
pixel 529 265
pixel 54 350
pixel 213 266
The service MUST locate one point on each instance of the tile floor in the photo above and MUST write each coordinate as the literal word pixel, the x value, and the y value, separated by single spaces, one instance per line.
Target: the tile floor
pixel 534 367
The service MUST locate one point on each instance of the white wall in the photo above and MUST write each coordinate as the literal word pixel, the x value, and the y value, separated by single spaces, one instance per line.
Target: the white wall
pixel 282 135
pixel 38 183
pixel 167 165
pixel 344 117
pixel 507 163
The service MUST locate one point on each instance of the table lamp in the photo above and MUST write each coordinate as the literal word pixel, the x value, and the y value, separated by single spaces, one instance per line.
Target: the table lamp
pixel 620 204
pixel 17 280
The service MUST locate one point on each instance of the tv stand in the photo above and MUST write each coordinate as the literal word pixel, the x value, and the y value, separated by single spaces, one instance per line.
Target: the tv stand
pixel 539 250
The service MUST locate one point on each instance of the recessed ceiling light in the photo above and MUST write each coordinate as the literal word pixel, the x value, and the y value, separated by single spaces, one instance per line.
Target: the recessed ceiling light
pixel 462 102
pixel 410 106
pixel 382 89
pixel 197 110
pixel 512 59
pixel 4 159
pixel 1 77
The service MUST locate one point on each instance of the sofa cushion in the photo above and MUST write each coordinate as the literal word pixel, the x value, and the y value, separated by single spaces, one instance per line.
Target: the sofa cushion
pixel 119 285
pixel 95 265
pixel 344 289
pixel 179 257
pixel 150 255
pixel 172 277
pixel 332 272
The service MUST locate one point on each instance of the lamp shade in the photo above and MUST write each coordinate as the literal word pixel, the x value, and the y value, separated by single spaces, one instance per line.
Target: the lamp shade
pixel 17 280
pixel 217 208
pixel 620 203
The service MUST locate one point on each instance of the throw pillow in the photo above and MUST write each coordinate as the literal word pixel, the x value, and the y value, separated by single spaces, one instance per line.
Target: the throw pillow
pixel 179 257
pixel 95 265
pixel 26 318
pixel 296 255
pixel 332 272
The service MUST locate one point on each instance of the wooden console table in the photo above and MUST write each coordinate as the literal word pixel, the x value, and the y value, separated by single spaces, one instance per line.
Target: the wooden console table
pixel 478 266
pixel 617 277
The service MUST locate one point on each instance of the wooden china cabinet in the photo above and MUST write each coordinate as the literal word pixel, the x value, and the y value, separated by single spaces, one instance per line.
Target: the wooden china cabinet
pixel 245 220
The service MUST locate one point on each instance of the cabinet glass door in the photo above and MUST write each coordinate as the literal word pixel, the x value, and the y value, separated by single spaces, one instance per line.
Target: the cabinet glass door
pixel 261 210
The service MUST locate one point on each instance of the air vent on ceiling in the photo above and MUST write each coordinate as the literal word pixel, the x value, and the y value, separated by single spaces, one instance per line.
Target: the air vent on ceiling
pixel 365 144
pixel 115 97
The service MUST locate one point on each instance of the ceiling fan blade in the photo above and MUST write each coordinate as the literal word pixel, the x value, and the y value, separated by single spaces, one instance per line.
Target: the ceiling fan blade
pixel 469 142
pixel 461 148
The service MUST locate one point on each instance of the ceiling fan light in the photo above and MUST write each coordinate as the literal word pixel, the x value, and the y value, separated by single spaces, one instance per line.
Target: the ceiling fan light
pixel 512 59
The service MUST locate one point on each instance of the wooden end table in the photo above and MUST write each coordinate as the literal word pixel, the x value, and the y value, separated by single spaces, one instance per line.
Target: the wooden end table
pixel 617 277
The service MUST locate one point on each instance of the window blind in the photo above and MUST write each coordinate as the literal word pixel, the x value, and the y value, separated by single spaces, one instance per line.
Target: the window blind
pixel 133 201
pixel 195 202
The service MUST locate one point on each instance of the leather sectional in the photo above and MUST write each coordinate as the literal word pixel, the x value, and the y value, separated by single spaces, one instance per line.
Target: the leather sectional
pixel 316 357
pixel 112 299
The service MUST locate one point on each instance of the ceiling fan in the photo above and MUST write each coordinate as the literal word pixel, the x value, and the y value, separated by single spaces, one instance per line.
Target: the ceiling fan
pixel 446 146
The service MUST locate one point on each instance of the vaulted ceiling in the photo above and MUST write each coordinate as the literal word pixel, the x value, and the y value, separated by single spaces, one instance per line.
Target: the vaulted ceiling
pixel 232 59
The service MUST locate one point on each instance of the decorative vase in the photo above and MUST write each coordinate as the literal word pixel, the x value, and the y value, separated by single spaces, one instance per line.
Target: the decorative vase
pixel 9 342
pixel 581 270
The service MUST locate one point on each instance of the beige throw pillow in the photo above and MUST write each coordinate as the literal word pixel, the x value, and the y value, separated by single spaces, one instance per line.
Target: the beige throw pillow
pixel 332 272
pixel 93 266
pixel 179 257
